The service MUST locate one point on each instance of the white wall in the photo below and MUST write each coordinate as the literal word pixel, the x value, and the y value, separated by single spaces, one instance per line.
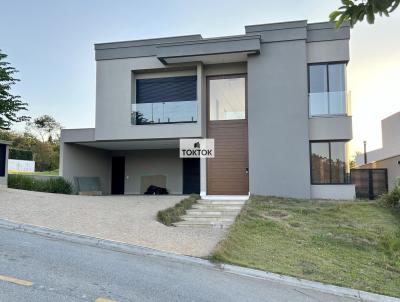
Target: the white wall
pixel 21 165
pixel 337 192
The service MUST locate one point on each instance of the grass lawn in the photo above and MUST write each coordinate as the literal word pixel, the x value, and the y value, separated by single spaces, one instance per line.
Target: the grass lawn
pixel 44 173
pixel 352 244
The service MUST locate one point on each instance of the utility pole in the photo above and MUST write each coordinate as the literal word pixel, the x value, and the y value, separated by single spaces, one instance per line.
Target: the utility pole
pixel 365 152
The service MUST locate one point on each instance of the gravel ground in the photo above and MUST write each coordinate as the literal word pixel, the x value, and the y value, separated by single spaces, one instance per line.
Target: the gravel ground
pixel 127 218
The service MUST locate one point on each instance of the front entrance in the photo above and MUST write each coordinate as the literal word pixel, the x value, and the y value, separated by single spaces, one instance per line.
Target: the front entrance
pixel 118 175
pixel 227 173
pixel 191 176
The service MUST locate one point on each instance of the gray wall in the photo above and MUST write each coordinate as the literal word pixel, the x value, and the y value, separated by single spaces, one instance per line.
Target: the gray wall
pixel 152 162
pixel 278 120
pixel 114 96
pixel 328 51
pixel 79 160
pixel 331 128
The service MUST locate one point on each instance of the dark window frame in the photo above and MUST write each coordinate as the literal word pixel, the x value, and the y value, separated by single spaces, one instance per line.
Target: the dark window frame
pixel 327 82
pixel 135 83
pixel 345 181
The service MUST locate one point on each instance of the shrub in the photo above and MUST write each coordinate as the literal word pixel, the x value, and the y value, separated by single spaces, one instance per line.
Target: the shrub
pixel 172 214
pixel 20 154
pixel 51 185
pixel 392 198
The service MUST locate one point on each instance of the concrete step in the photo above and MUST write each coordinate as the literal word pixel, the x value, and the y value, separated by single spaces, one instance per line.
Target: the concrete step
pixel 222 202
pixel 208 218
pixel 212 212
pixel 203 224
pixel 217 207
pixel 225 197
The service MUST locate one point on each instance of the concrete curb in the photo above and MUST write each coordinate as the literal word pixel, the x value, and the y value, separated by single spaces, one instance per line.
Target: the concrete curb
pixel 232 269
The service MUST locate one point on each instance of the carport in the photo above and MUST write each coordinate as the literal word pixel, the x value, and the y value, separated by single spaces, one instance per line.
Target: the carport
pixel 129 166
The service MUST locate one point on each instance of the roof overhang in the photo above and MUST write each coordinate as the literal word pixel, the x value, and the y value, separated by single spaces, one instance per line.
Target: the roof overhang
pixel 86 137
pixel 210 51
pixel 125 145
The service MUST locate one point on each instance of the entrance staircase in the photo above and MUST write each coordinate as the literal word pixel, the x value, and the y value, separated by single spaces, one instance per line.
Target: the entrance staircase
pixel 211 214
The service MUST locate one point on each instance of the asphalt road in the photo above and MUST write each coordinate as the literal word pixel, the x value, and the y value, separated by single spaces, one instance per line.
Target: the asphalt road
pixel 49 270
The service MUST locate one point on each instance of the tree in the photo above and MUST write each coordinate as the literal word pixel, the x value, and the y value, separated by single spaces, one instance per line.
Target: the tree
pixel 10 104
pixel 45 154
pixel 46 127
pixel 355 11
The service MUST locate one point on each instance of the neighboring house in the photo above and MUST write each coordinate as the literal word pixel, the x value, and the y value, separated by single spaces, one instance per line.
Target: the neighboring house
pixel 388 156
pixel 274 99
pixel 3 162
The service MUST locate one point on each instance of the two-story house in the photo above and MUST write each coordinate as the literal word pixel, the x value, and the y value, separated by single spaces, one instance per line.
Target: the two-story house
pixel 274 99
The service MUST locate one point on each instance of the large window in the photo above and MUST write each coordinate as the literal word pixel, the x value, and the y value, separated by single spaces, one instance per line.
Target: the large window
pixel 227 98
pixel 165 100
pixel 328 162
pixel 327 89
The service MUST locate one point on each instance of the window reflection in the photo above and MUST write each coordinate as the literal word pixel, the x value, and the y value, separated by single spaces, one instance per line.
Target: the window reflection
pixel 328 162
pixel 165 100
pixel 320 165
pixel 227 99
pixel 327 89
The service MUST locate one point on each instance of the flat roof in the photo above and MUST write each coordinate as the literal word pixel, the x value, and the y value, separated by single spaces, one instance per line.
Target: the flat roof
pixel 269 32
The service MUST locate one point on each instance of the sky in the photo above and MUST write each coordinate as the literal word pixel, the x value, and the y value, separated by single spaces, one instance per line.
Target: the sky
pixel 51 44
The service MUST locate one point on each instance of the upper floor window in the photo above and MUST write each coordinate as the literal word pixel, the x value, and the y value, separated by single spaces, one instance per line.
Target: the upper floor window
pixel 327 89
pixel 227 98
pixel 165 100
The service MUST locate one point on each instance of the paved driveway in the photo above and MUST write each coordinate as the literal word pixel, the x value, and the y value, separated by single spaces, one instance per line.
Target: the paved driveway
pixel 126 218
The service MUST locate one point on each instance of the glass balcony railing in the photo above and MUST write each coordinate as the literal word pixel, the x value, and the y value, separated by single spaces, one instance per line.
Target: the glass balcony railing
pixel 164 112
pixel 329 103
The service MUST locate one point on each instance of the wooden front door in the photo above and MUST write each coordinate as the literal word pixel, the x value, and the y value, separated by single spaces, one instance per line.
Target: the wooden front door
pixel 227 173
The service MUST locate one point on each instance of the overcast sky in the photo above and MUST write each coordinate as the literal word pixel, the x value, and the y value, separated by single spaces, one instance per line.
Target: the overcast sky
pixel 51 44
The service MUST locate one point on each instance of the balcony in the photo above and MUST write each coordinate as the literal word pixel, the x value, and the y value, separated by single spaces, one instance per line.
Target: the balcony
pixel 333 103
pixel 164 113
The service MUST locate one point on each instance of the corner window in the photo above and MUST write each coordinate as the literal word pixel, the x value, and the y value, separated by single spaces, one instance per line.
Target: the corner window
pixel 227 98
pixel 328 162
pixel 165 100
pixel 327 89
